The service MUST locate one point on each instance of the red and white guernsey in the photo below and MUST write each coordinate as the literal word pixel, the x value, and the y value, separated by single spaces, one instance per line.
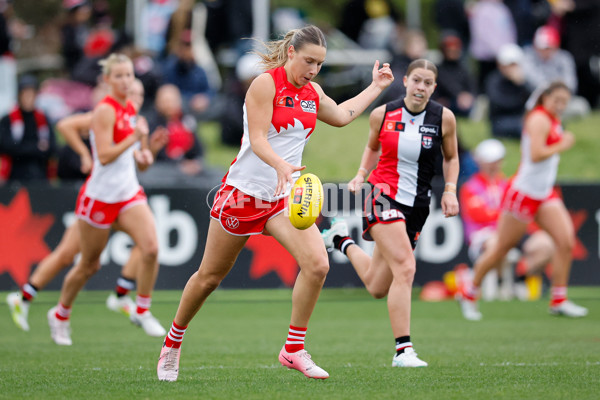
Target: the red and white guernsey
pixel 116 181
pixel 536 179
pixel 293 121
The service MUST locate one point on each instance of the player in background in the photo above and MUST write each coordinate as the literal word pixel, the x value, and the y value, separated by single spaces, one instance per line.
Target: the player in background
pixel 405 139
pixel 480 199
pixel 531 197
pixel 111 194
pixel 280 112
pixel 64 254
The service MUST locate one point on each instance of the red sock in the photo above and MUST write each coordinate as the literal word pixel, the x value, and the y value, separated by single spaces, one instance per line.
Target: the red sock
pixel 175 336
pixel 143 303
pixel 295 339
pixel 558 294
pixel 62 312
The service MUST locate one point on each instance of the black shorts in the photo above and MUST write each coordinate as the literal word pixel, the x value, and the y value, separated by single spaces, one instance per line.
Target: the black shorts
pixel 382 209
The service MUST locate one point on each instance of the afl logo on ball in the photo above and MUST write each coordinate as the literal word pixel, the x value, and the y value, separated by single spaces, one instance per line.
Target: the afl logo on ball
pixel 232 222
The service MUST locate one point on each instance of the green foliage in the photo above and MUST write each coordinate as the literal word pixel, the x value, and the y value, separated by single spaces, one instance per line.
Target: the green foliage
pixel 230 351
pixel 334 154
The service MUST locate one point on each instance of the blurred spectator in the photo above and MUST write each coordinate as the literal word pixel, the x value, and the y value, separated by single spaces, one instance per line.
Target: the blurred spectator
pixel 227 22
pixel 522 13
pixel 492 26
pixel 75 31
pixel 455 88
pixel 545 62
pixel 232 116
pixel 181 70
pixel 180 21
pixel 450 15
pixel 581 33
pixel 370 23
pixel 26 138
pixel 507 93
pixel 415 47
pixel 174 137
pixel 154 20
pixel 8 65
pixel 98 45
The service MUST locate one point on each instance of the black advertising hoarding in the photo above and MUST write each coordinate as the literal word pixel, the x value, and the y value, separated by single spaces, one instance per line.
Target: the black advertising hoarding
pixel 33 219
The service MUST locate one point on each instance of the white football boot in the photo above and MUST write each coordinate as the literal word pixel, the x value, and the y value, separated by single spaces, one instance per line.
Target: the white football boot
pixel 60 331
pixel 123 304
pixel 569 309
pixel 149 323
pixel 408 359
pixel 19 310
pixel 339 227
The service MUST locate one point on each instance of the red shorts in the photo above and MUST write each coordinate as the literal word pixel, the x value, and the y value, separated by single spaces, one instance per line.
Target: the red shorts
pixel 522 206
pixel 241 214
pixel 100 214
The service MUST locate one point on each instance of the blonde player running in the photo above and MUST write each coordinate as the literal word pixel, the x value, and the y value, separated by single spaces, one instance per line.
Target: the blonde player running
pixel 112 194
pixel 68 247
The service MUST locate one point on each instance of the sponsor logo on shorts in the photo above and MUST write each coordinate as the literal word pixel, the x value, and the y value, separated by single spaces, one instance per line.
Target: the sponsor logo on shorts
pixel 232 222
pixel 308 106
pixel 98 216
pixel 394 126
pixel 391 214
pixel 285 101
pixel 426 141
pixel 428 129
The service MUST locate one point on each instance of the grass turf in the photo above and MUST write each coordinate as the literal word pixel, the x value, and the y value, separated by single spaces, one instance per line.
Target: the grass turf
pixel 230 351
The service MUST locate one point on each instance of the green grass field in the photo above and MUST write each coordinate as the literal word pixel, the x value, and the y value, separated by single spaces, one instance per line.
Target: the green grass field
pixel 230 351
pixel 334 153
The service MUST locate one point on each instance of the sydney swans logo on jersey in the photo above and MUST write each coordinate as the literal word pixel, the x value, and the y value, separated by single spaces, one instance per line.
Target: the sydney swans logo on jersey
pixel 285 101
pixel 309 106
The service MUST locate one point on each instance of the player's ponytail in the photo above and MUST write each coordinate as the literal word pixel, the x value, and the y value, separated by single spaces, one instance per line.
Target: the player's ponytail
pixel 276 50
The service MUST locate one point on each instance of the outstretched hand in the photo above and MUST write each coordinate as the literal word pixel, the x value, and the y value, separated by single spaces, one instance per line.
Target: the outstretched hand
pixel 284 176
pixel 382 77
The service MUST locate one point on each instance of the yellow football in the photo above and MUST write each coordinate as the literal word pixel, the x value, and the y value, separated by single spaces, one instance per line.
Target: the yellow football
pixel 305 202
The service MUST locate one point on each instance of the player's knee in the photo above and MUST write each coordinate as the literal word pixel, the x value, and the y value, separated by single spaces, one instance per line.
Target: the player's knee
pixel 208 282
pixel 318 267
pixel 66 258
pixel 377 292
pixel 405 270
pixel 150 250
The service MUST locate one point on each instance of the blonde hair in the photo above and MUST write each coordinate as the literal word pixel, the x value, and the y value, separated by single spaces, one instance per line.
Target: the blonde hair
pixel 276 50
pixel 108 62
pixel 422 63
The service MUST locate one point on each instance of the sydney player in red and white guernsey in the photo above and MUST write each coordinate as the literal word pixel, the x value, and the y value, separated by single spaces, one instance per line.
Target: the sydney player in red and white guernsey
pixel 531 197
pixel 111 194
pixel 405 138
pixel 280 112
pixel 63 255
